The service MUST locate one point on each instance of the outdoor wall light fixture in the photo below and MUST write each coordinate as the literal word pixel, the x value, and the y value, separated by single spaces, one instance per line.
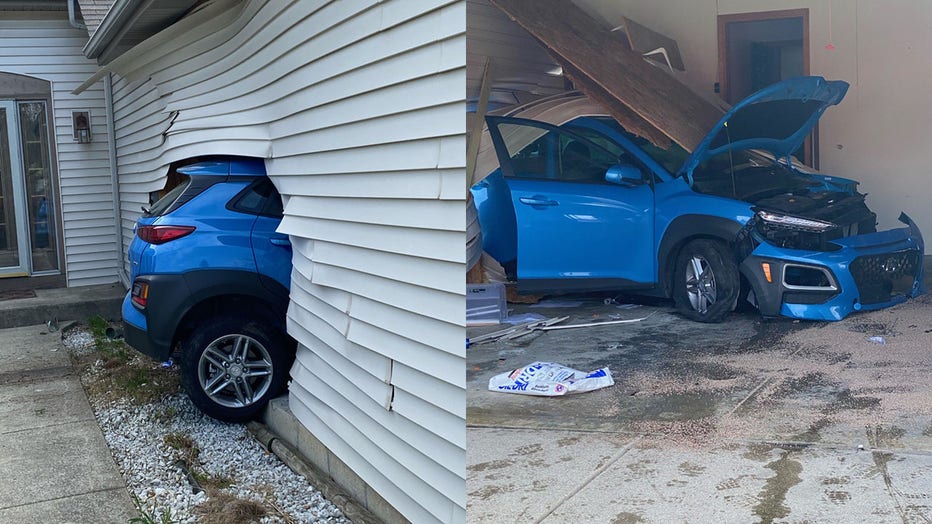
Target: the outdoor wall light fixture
pixel 81 124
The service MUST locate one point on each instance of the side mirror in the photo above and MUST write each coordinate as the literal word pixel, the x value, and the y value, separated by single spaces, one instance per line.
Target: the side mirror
pixel 624 175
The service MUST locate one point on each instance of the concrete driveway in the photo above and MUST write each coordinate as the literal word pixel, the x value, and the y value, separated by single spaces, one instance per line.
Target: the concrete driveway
pixel 744 421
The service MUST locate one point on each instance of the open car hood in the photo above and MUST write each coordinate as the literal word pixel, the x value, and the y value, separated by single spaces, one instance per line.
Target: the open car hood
pixel 778 118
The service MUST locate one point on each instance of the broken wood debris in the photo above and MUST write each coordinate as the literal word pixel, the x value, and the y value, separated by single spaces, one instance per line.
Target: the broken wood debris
pixel 520 329
pixel 549 324
pixel 591 324
pixel 644 99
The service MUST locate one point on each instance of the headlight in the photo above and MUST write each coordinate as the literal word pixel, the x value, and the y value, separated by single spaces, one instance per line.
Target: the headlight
pixel 803 224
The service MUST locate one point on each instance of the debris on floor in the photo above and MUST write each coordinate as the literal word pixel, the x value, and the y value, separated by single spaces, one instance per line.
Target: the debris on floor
pixel 548 379
pixel 596 323
pixel 556 303
pixel 485 304
pixel 514 331
pixel 523 318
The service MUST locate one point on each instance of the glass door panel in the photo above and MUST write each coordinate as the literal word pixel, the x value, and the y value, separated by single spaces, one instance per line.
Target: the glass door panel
pixel 14 255
pixel 39 197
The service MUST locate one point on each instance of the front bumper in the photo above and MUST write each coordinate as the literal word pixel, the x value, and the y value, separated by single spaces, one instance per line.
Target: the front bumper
pixel 870 271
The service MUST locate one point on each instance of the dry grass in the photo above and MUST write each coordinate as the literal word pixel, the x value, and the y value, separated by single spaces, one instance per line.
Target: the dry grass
pixel 223 508
pixel 115 371
pixel 212 481
pixel 272 503
pixel 185 446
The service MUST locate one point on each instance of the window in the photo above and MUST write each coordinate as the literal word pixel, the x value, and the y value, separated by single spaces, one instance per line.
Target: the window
pixel 537 152
pixel 259 198
pixel 671 158
pixel 169 198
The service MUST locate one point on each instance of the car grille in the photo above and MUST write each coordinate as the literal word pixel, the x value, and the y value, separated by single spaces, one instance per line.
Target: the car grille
pixel 882 277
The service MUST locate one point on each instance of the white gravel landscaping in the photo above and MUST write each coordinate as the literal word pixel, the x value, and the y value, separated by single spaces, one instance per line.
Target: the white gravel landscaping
pixel 136 436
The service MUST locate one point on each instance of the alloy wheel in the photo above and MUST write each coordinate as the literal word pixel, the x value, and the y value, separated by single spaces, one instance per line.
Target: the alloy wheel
pixel 700 284
pixel 235 371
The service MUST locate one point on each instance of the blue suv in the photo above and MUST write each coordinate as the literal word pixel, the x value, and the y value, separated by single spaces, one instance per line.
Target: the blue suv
pixel 572 201
pixel 210 279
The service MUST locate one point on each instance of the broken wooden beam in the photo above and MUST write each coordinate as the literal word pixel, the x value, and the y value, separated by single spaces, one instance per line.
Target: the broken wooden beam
pixel 642 97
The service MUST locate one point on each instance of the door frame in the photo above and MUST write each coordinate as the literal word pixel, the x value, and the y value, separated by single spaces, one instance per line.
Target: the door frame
pixel 760 16
pixel 18 195
pixel 19 88
pixel 812 141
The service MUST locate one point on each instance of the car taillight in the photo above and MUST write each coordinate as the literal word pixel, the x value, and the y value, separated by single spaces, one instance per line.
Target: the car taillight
pixel 140 294
pixel 162 234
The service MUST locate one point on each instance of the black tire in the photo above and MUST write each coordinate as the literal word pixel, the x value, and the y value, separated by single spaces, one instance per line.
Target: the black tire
pixel 220 381
pixel 712 296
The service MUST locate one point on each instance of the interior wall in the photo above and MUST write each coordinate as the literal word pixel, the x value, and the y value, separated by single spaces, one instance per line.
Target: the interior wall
pixel 877 135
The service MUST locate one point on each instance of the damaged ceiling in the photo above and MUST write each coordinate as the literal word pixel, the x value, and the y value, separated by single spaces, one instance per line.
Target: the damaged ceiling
pixel 521 69
pixel 525 48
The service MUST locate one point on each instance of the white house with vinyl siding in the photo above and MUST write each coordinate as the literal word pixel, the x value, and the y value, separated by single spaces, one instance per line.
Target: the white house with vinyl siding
pixel 41 63
pixel 357 107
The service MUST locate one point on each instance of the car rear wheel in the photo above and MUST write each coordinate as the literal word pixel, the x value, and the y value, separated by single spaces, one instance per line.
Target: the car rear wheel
pixel 231 366
pixel 706 281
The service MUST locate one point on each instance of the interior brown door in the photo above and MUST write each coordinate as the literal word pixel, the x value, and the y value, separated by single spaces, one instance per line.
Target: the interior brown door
pixel 759 49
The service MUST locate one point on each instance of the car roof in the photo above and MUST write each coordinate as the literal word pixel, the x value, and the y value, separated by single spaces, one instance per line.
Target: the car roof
pixel 226 166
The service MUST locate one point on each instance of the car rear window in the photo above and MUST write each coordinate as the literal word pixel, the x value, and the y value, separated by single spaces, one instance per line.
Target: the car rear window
pixel 181 194
pixel 259 198
pixel 163 204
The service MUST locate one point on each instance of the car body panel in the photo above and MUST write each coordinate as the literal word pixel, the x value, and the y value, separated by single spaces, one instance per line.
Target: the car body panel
pixel 584 225
pixel 848 297
pixel 211 236
pixel 271 250
pixel 563 235
pixel 788 110
pixel 229 253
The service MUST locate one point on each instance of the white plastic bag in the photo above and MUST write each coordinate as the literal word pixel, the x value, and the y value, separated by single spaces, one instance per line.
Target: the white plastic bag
pixel 548 379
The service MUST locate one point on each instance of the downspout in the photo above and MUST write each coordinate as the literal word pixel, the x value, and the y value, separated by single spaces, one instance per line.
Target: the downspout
pixel 114 178
pixel 71 16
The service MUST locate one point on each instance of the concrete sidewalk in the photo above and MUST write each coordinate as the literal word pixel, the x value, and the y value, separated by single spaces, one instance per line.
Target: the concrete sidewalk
pixel 55 464
pixel 73 303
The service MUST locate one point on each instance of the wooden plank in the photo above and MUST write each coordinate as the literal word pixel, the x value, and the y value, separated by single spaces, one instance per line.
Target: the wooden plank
pixel 514 331
pixel 472 149
pixel 636 93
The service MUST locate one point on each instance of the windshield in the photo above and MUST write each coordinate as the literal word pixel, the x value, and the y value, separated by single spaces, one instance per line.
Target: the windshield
pixel 671 158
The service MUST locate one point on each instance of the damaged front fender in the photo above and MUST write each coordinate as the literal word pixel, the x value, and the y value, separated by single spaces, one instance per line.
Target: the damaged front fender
pixel 860 272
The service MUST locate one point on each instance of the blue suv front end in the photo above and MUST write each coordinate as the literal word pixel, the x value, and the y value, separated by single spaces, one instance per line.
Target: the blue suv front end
pixel 857 273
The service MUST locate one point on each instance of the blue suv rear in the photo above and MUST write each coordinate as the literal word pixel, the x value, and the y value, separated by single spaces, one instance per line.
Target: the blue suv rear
pixel 210 279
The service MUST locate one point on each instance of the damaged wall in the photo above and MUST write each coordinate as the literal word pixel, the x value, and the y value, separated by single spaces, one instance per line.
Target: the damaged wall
pixel 358 108
pixel 877 135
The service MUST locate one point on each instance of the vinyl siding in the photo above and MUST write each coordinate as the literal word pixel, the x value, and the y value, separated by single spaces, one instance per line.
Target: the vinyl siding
pixel 358 108
pixel 93 12
pixel 50 49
